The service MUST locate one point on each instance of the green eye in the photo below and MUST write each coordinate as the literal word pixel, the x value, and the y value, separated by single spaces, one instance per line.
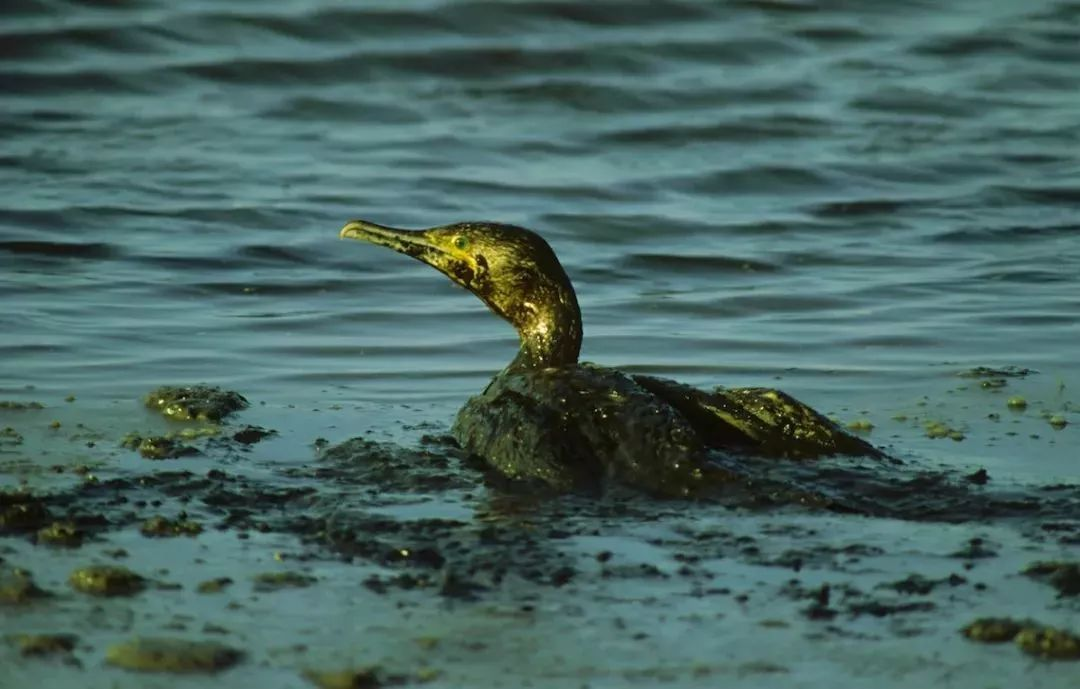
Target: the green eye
pixel 461 242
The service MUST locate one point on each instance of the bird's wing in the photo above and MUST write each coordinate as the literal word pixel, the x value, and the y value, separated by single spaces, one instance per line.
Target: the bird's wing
pixel 762 421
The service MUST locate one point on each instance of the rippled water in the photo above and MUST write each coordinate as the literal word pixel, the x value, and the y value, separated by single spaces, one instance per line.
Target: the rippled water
pixel 861 197
pixel 852 201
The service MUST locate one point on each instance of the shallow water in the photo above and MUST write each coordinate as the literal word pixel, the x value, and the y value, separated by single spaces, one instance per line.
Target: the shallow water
pixel 853 202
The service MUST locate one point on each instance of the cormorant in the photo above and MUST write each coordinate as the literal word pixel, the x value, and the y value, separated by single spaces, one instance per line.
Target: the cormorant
pixel 546 417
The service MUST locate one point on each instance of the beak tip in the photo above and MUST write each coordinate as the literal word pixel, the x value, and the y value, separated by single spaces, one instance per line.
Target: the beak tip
pixel 364 231
pixel 349 231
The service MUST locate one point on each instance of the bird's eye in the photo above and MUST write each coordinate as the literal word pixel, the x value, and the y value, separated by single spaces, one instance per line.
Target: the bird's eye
pixel 461 242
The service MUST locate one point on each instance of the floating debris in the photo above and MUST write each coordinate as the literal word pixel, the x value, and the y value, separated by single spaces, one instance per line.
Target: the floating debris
pixel 1032 638
pixel 17 586
pixel 1064 576
pixel 61 534
pixel 157 447
pixel 214 585
pixel 272 581
pixel 28 514
pixel 1017 402
pixel 9 405
pixel 939 429
pixel 249 435
pixel 172 655
pixel 106 580
pixel 195 403
pixel 918 585
pixel 9 436
pixel 861 426
pixel 362 678
pixel 994 630
pixel 1004 372
pixel 974 549
pixel 1049 643
pixel 163 527
pixel 39 645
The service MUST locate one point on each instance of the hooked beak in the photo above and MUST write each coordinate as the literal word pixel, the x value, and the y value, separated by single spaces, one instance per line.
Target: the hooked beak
pixel 409 242
pixel 416 243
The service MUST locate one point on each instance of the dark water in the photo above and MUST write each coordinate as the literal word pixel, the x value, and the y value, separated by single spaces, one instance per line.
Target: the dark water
pixel 857 192
pixel 852 201
pixel 862 197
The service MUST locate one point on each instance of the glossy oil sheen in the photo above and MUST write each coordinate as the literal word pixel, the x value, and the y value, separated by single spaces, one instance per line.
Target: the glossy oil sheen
pixel 849 203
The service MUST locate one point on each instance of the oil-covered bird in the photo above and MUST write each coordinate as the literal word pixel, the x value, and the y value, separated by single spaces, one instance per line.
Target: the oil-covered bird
pixel 573 425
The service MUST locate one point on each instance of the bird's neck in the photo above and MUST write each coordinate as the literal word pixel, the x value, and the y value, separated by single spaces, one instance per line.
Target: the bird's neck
pixel 550 332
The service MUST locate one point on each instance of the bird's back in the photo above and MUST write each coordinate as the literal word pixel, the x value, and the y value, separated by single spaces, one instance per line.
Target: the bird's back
pixel 575 426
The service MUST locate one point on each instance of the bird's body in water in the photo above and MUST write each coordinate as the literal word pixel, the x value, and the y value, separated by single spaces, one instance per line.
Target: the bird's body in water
pixel 548 418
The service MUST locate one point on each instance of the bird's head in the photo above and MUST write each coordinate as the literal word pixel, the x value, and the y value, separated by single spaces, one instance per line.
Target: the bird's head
pixel 511 269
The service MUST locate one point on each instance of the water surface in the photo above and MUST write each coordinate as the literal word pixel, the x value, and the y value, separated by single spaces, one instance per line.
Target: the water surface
pixel 854 202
